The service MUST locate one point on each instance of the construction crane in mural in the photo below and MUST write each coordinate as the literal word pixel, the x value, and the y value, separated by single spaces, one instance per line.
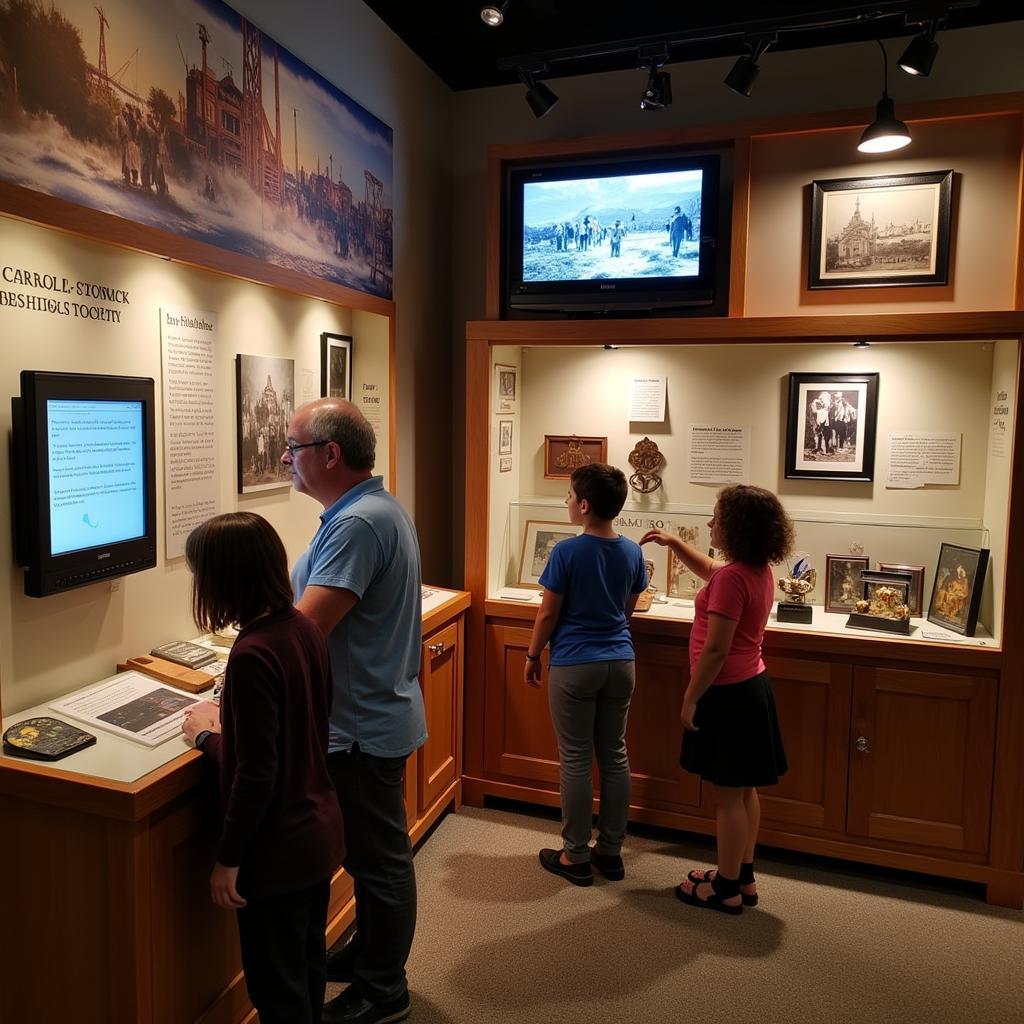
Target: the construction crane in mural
pixel 261 145
pixel 103 45
pixel 379 229
pixel 99 78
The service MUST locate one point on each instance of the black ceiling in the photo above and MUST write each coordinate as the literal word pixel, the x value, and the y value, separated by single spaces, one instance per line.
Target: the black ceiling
pixel 575 38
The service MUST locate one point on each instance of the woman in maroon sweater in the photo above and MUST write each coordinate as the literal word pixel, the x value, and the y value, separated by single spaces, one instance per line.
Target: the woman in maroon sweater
pixel 282 836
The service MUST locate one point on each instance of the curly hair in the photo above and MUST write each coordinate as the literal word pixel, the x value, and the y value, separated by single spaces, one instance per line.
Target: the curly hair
pixel 753 525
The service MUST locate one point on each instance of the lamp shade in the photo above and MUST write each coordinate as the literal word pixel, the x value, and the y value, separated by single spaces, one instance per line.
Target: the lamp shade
pixel 886 132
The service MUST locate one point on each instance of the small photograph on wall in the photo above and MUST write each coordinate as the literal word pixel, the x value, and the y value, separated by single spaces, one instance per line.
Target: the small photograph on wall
pixel 505 437
pixel 564 453
pixel 830 428
pixel 539 540
pixel 265 403
pixel 956 589
pixel 506 388
pixel 880 231
pixel 843 585
pixel 336 366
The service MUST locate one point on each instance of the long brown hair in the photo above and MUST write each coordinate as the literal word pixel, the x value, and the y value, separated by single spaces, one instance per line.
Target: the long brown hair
pixel 239 570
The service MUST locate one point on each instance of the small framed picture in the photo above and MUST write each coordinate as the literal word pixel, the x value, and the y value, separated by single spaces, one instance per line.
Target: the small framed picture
pixel 956 589
pixel 539 540
pixel 336 366
pixel 830 426
pixel 843 586
pixel 505 464
pixel 916 573
pixel 564 453
pixel 881 231
pixel 504 437
pixel 680 582
pixel 506 388
pixel 265 398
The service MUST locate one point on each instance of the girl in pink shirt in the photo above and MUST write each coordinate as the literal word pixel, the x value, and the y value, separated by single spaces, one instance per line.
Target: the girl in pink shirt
pixel 732 738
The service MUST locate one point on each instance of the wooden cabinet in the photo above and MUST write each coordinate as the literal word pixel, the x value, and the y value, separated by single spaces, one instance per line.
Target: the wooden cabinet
pixel 441 679
pixel 922 749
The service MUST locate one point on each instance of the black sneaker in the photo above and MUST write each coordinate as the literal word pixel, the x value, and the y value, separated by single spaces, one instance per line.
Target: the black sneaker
pixel 610 865
pixel 578 874
pixel 351 1008
pixel 341 961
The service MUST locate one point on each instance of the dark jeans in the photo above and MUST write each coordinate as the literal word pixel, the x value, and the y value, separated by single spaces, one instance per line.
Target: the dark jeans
pixel 284 955
pixel 379 859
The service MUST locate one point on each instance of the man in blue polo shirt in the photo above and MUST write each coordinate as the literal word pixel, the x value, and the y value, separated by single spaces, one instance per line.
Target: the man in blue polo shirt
pixel 359 581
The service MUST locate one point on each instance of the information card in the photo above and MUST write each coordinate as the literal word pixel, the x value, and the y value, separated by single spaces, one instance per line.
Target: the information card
pixel 647 399
pixel 719 454
pixel 919 458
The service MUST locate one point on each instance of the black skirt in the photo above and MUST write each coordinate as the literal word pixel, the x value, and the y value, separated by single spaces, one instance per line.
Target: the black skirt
pixel 738 742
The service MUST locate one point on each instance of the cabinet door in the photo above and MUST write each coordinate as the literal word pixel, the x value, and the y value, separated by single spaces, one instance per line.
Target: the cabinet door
pixel 813 701
pixel 921 758
pixel 439 678
pixel 654 732
pixel 519 741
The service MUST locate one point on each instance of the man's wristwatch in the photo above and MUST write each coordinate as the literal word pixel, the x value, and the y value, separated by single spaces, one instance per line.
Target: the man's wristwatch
pixel 201 738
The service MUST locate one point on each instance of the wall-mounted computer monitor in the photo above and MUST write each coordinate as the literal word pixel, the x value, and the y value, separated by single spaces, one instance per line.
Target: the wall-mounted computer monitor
pixel 83 462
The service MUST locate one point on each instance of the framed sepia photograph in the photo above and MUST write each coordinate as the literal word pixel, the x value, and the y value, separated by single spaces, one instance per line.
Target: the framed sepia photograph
pixel 505 464
pixel 506 388
pixel 830 426
pixel 680 582
pixel 843 585
pixel 505 437
pixel 539 540
pixel 956 589
pixel 336 366
pixel 564 453
pixel 881 231
pixel 916 573
pixel 265 392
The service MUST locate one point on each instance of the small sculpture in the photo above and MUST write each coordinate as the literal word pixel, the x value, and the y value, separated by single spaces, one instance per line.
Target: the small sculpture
pixel 802 579
pixel 796 588
pixel 646 459
pixel 646 597
pixel 885 603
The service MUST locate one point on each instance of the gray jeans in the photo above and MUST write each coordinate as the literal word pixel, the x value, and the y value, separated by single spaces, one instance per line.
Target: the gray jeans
pixel 589 704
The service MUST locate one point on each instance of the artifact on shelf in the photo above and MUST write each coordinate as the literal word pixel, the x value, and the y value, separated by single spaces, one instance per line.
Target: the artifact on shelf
pixel 646 597
pixel 646 459
pixel 564 453
pixel 802 579
pixel 884 604
pixel 681 582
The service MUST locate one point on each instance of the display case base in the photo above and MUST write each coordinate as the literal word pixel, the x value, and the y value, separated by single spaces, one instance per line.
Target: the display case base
pixel 859 621
pixel 787 611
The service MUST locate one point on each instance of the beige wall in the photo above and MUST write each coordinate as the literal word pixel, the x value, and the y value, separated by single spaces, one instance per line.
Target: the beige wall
pixel 970 62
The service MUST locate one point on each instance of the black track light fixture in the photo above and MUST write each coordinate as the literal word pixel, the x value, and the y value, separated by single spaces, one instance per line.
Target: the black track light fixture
pixel 540 98
pixel 920 54
pixel 657 92
pixel 493 15
pixel 886 132
pixel 746 69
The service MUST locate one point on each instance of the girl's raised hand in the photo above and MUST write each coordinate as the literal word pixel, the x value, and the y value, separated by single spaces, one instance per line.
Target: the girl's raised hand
pixel 657 537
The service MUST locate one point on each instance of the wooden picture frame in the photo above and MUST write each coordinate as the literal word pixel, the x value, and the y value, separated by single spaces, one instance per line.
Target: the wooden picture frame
pixel 564 453
pixel 506 388
pixel 915 598
pixel 843 587
pixel 539 538
pixel 830 426
pixel 336 365
pixel 264 401
pixel 505 431
pixel 956 588
pixel 884 231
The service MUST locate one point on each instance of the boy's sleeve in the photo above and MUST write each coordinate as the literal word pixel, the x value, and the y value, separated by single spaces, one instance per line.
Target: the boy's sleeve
pixel 640 580
pixel 556 572
pixel 727 594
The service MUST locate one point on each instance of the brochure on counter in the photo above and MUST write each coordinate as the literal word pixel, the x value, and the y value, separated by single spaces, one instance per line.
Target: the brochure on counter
pixel 130 705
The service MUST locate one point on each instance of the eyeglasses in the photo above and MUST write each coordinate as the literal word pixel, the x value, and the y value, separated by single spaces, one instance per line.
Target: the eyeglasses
pixel 291 449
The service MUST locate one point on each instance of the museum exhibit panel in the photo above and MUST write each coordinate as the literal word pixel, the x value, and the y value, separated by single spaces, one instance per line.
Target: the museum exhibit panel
pixel 868 371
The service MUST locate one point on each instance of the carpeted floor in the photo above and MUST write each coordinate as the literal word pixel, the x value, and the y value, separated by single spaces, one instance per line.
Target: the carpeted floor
pixel 499 940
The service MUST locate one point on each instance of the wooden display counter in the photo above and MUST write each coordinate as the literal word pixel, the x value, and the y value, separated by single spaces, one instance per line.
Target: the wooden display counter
pixel 106 877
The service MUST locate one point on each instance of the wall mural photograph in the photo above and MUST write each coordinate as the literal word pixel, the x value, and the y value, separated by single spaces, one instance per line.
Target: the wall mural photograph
pixel 183 116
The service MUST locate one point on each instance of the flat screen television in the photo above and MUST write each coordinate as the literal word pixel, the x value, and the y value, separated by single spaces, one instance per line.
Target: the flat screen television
pixel 83 462
pixel 633 236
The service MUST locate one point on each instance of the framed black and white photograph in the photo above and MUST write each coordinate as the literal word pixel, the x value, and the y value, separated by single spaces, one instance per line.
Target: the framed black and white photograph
pixel 265 402
pixel 336 366
pixel 881 231
pixel 916 574
pixel 956 589
pixel 506 388
pixel 539 540
pixel 505 437
pixel 843 584
pixel 830 426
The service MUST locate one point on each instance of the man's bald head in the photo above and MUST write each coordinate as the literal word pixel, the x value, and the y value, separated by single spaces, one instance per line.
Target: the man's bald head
pixel 338 420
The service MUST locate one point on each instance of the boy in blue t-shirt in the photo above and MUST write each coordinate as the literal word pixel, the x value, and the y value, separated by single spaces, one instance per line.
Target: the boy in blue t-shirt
pixel 591 584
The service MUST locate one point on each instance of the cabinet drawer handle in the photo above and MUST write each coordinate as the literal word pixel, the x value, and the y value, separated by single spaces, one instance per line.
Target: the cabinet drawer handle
pixel 862 745
pixel 437 648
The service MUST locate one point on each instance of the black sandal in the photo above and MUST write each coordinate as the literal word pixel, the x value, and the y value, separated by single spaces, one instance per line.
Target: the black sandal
pixel 716 901
pixel 697 877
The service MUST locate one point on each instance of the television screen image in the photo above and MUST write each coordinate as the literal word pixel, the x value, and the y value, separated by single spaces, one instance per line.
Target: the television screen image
pixel 619 226
pixel 96 472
